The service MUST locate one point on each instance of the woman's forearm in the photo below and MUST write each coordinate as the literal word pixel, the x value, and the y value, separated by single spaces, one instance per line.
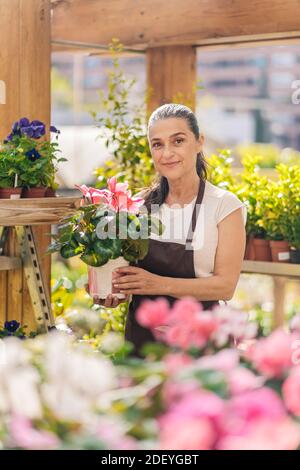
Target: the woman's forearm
pixel 205 288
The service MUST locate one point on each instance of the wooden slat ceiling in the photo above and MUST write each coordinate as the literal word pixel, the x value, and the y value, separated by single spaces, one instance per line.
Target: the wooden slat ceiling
pixel 140 24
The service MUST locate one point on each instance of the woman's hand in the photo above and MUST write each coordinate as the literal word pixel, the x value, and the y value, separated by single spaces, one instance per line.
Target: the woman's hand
pixel 111 301
pixel 133 280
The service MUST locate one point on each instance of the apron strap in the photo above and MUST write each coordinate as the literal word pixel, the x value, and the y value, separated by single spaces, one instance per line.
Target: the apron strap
pixel 195 214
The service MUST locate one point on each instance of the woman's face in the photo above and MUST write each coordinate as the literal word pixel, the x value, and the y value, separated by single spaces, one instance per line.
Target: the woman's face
pixel 174 147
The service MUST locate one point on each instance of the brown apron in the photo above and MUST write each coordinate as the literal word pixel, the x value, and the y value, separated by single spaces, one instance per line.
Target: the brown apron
pixel 165 259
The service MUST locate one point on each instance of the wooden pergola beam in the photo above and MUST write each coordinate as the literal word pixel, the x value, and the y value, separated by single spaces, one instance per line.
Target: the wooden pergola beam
pixel 151 23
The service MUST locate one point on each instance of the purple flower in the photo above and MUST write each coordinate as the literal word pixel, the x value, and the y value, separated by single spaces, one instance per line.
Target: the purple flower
pixel 54 129
pixel 38 128
pixel 33 155
pixel 34 129
pixel 11 326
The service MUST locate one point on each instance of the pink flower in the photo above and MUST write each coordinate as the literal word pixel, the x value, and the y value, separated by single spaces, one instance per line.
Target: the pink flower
pixel 291 391
pixel 117 196
pixel 272 356
pixel 152 314
pixel 26 437
pixel 263 434
pixel 184 308
pixel 121 199
pixel 96 196
pixel 186 434
pixel 194 331
pixel 191 420
pixel 244 408
pixel 175 361
pixel 225 361
pixel 241 380
pixel 196 403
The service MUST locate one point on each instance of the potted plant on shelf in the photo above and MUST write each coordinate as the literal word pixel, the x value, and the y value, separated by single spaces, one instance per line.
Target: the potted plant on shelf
pixel 251 190
pixel 31 160
pixel 110 229
pixel 276 220
pixel 9 169
pixel 290 183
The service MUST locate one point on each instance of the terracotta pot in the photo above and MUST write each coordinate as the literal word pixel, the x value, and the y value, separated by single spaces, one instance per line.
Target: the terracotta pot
pixel 295 256
pixel 250 250
pixel 35 192
pixel 262 249
pixel 10 193
pixel 50 192
pixel 280 251
pixel 100 279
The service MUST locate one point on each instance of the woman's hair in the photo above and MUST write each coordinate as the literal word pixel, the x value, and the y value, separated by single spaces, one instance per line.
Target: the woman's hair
pixel 158 191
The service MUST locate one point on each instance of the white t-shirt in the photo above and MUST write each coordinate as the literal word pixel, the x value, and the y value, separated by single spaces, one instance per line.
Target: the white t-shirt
pixel 217 203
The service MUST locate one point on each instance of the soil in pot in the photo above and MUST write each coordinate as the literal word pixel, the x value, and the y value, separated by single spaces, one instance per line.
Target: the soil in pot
pixel 100 279
pixel 38 191
pixel 262 249
pixel 10 193
pixel 280 251
pixel 295 256
pixel 250 249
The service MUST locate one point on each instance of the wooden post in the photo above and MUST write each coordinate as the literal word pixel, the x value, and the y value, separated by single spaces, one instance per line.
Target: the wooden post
pixel 171 76
pixel 25 71
pixel 279 287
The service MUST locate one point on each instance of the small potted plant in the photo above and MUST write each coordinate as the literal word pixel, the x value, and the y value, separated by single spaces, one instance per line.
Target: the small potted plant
pixel 291 175
pixel 32 158
pixel 109 230
pixel 9 184
pixel 251 190
pixel 276 216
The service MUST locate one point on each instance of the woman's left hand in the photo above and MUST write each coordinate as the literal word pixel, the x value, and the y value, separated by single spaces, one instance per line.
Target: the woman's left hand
pixel 134 280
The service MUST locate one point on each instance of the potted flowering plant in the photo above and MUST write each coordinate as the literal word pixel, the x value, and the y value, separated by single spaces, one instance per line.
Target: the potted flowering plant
pixel 28 161
pixel 109 230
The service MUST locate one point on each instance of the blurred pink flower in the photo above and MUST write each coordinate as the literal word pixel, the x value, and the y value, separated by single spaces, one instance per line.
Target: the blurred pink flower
pixel 241 380
pixel 23 435
pixel 195 330
pixel 272 356
pixel 175 361
pixel 225 360
pixel 184 308
pixel 263 434
pixel 181 433
pixel 291 391
pixel 152 314
pixel 196 404
pixel 244 408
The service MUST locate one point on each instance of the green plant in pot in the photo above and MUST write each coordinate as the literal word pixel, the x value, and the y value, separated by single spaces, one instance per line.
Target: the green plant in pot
pixel 278 210
pixel 111 229
pixel 251 188
pixel 32 159
pixel 289 177
pixel 9 170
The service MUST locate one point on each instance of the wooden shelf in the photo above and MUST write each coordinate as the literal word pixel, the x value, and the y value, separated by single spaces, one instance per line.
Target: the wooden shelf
pixel 272 269
pixel 8 263
pixel 37 211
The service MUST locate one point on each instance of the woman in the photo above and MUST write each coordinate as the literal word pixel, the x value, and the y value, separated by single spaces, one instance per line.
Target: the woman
pixel 204 259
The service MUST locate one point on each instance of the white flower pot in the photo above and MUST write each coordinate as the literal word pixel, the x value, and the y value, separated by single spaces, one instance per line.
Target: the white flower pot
pixel 100 279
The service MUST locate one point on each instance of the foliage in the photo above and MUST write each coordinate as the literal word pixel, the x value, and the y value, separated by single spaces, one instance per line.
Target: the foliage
pixel 242 397
pixel 26 160
pixel 110 227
